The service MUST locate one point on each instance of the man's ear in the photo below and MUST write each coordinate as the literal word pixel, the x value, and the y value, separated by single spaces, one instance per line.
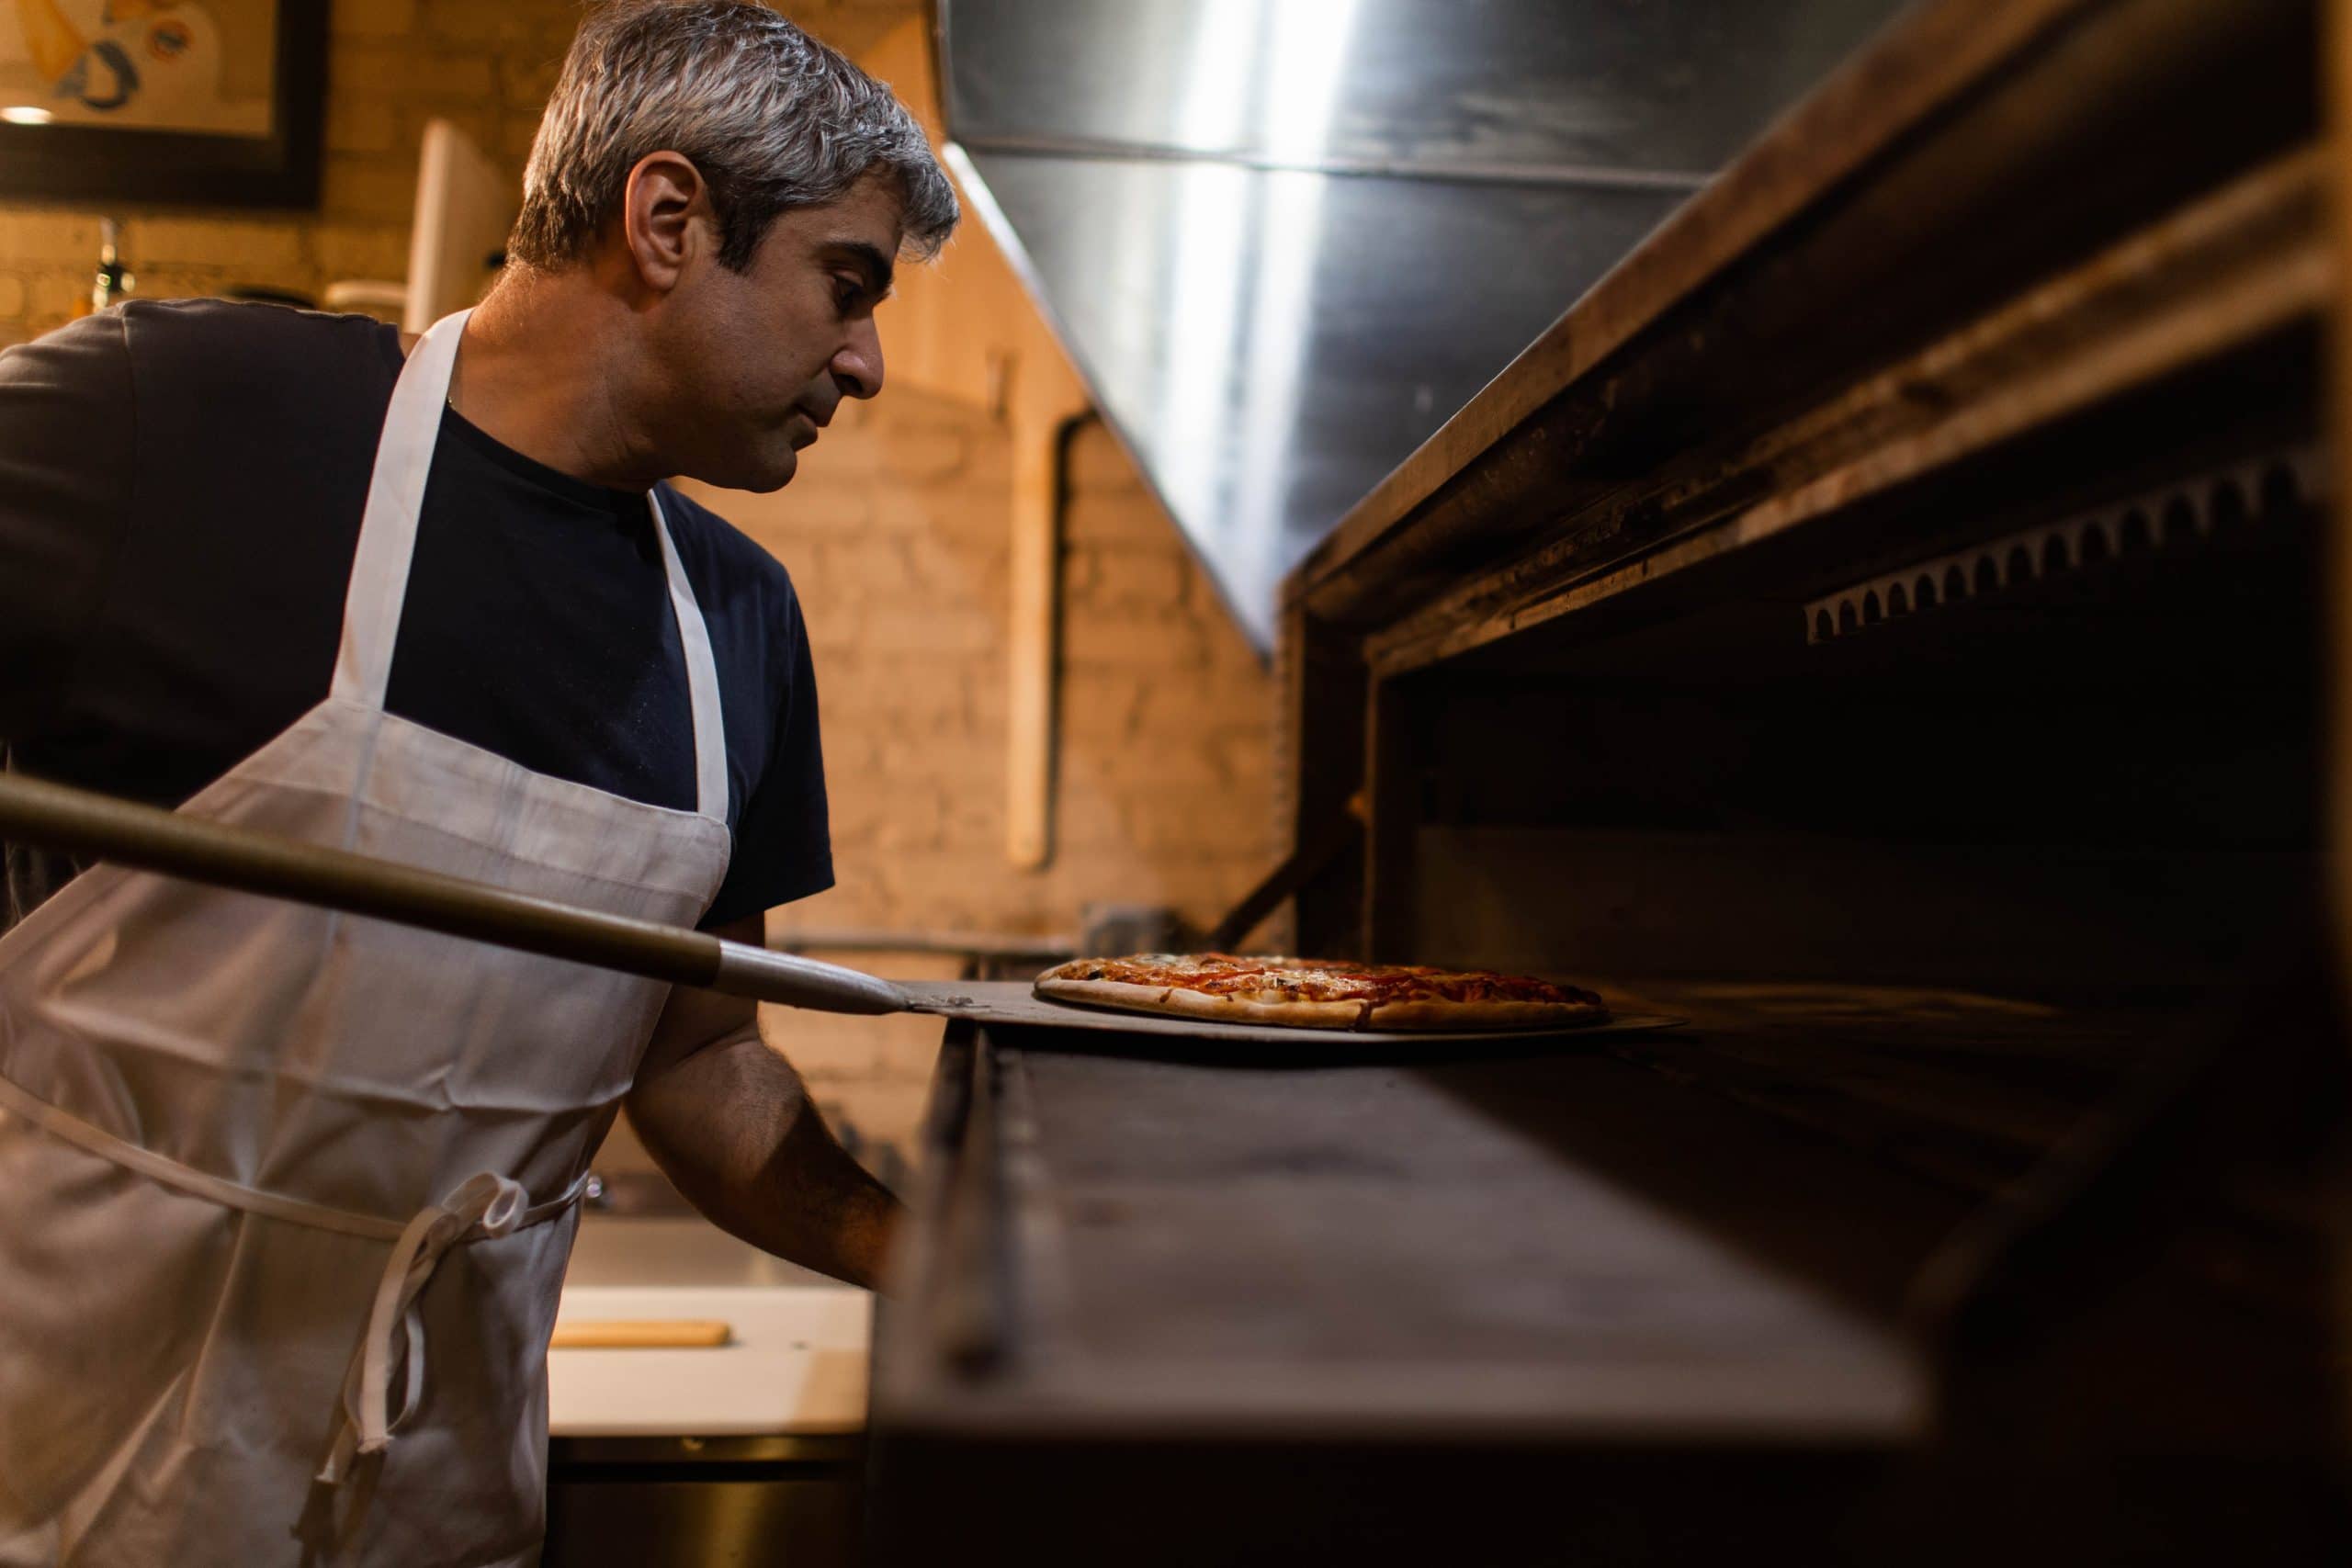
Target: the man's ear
pixel 664 206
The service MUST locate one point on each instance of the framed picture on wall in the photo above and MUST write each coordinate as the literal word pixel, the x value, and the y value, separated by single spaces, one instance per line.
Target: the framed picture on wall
pixel 214 103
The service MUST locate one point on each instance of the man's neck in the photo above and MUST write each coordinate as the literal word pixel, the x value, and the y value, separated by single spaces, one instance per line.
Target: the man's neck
pixel 537 372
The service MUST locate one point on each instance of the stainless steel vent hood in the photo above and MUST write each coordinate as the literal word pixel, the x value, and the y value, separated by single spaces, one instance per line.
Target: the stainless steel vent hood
pixel 1285 239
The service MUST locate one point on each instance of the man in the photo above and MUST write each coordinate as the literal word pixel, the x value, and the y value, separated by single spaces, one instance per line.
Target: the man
pixel 286 1196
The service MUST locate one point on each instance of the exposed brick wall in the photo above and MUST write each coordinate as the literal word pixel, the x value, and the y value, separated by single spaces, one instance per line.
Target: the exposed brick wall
pixel 896 532
pixel 896 535
pixel 1166 712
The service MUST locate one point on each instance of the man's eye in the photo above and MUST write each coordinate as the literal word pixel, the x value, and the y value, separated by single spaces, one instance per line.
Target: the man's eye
pixel 846 293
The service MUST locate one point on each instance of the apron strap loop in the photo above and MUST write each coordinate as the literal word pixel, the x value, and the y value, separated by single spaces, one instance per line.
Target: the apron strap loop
pixel 487 1206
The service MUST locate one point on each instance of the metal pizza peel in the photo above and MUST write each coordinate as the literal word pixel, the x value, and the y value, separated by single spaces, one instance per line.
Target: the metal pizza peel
pixel 1012 1004
pixel 52 816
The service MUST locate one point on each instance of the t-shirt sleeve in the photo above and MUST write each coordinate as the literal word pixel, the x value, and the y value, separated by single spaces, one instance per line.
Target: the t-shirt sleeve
pixel 784 847
pixel 66 433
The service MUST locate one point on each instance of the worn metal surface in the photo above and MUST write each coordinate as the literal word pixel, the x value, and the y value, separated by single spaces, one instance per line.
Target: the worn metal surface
pixel 2193 509
pixel 1971 152
pixel 1439 87
pixel 1998 218
pixel 2229 271
pixel 1285 241
pixel 1558 1247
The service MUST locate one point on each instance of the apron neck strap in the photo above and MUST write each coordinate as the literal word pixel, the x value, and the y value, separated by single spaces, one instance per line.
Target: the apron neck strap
pixel 379 588
pixel 371 604
pixel 702 674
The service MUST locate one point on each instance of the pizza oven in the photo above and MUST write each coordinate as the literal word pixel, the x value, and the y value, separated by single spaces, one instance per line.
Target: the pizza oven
pixel 1890 623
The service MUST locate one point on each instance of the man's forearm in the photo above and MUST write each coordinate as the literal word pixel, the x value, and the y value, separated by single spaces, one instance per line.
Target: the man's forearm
pixel 733 1126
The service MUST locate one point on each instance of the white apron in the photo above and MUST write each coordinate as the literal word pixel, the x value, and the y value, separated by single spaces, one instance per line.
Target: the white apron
pixel 286 1194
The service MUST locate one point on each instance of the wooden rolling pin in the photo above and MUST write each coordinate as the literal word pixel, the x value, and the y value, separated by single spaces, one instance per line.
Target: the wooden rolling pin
pixel 80 822
pixel 643 1334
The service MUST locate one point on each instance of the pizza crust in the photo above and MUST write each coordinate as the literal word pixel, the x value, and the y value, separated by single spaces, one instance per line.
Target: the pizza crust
pixel 1486 1015
pixel 1293 1014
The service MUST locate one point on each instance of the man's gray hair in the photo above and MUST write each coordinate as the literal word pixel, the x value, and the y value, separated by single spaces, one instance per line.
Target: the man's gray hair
pixel 773 119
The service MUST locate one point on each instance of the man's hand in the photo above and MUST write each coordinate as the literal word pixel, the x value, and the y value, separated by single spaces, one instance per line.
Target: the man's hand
pixel 729 1121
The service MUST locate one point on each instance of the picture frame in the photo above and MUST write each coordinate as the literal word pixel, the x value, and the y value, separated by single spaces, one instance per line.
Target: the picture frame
pixel 79 156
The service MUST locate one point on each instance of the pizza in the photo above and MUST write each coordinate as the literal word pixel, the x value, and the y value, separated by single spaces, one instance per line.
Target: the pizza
pixel 1320 993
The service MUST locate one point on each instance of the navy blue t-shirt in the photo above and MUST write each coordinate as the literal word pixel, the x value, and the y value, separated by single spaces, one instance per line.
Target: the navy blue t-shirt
pixel 181 485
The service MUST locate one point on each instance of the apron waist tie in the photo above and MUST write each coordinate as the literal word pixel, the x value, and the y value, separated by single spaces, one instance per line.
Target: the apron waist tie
pixel 483 1207
pixel 486 1207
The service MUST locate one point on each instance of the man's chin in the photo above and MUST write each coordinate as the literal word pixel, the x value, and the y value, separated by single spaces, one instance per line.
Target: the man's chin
pixel 760 475
pixel 777 472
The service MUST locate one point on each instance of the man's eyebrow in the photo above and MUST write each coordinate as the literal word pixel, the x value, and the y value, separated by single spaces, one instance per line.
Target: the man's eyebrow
pixel 869 260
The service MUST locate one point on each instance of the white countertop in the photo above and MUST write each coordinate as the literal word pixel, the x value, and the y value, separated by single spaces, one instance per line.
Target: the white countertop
pixel 796 1364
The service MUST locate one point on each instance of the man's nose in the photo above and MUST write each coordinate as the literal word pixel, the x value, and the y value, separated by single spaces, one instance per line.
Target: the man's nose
pixel 858 366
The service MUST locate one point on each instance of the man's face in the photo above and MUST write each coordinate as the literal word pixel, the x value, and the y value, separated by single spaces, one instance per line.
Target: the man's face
pixel 760 359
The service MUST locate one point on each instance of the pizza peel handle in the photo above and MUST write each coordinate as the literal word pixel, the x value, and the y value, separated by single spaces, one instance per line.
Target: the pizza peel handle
pixel 101 827
pixel 773 976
